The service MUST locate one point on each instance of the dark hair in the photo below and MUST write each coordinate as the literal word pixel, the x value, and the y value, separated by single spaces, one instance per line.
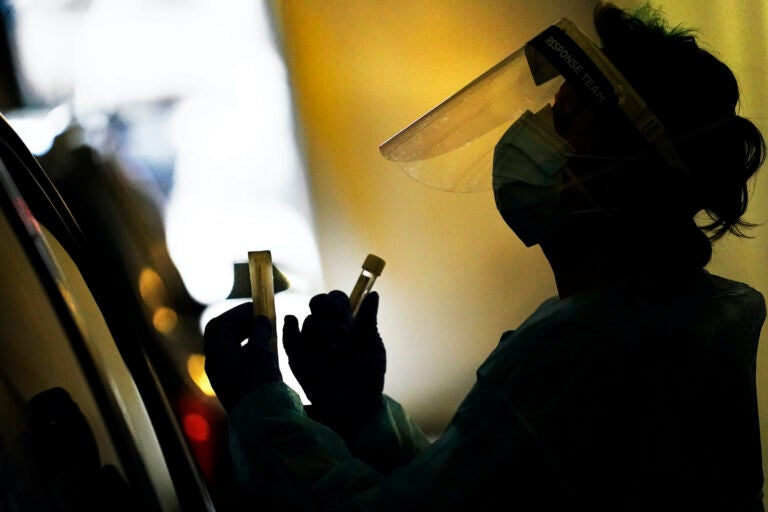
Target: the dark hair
pixel 695 96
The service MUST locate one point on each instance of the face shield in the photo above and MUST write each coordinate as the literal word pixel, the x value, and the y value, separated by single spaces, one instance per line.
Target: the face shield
pixel 451 147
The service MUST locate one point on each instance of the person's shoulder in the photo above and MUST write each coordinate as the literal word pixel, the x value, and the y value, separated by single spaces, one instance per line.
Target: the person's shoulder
pixel 725 286
pixel 738 296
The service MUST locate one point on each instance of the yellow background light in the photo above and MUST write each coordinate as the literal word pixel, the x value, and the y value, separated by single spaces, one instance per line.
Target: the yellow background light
pixel 196 369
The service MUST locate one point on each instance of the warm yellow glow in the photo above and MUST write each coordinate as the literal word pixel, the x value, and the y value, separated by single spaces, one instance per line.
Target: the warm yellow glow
pixel 151 288
pixel 361 71
pixel 165 320
pixel 196 369
pixel 69 299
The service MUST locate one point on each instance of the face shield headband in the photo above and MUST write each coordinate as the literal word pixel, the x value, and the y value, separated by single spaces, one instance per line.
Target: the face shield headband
pixel 451 147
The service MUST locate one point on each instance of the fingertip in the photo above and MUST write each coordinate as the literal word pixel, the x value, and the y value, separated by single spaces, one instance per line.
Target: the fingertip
pixel 231 324
pixel 330 306
pixel 290 322
pixel 242 310
pixel 261 329
pixel 261 321
pixel 369 309
pixel 318 302
pixel 291 333
pixel 340 298
pixel 290 326
pixel 370 303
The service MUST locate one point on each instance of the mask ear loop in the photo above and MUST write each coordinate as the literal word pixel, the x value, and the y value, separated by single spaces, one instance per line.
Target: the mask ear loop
pixel 617 162
pixel 573 181
pixel 578 184
pixel 610 214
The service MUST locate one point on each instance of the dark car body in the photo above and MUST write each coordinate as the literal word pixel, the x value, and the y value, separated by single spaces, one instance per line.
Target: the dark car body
pixel 91 410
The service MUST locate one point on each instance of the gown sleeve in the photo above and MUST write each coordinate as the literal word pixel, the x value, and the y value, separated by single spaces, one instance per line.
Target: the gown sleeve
pixel 283 457
pixel 487 458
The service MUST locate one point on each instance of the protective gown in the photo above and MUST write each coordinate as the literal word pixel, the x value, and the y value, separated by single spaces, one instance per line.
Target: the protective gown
pixel 640 396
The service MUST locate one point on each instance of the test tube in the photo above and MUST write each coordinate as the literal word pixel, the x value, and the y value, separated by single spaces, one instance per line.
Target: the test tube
pixel 263 289
pixel 372 267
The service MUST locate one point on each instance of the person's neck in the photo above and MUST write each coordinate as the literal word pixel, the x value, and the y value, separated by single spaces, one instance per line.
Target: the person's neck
pixel 584 264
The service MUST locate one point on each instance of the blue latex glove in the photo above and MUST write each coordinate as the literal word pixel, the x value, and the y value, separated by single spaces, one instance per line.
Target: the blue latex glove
pixel 339 360
pixel 235 369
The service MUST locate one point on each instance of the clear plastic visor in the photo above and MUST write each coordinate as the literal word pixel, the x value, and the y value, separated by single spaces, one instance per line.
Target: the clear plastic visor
pixel 451 147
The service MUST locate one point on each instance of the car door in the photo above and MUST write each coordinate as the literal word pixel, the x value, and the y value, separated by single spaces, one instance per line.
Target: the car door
pixel 84 423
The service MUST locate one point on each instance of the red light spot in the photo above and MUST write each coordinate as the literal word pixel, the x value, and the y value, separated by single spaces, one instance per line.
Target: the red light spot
pixel 196 427
pixel 29 220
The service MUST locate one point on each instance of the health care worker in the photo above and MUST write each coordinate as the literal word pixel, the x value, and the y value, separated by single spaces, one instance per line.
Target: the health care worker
pixel 634 389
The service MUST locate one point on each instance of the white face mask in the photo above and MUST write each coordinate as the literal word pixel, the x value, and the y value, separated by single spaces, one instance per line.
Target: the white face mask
pixel 528 165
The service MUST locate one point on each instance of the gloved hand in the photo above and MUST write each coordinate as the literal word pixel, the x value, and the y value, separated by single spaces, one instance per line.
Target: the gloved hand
pixel 234 369
pixel 338 360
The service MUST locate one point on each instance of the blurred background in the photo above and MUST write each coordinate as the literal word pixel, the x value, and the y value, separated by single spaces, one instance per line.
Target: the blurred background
pixel 244 125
